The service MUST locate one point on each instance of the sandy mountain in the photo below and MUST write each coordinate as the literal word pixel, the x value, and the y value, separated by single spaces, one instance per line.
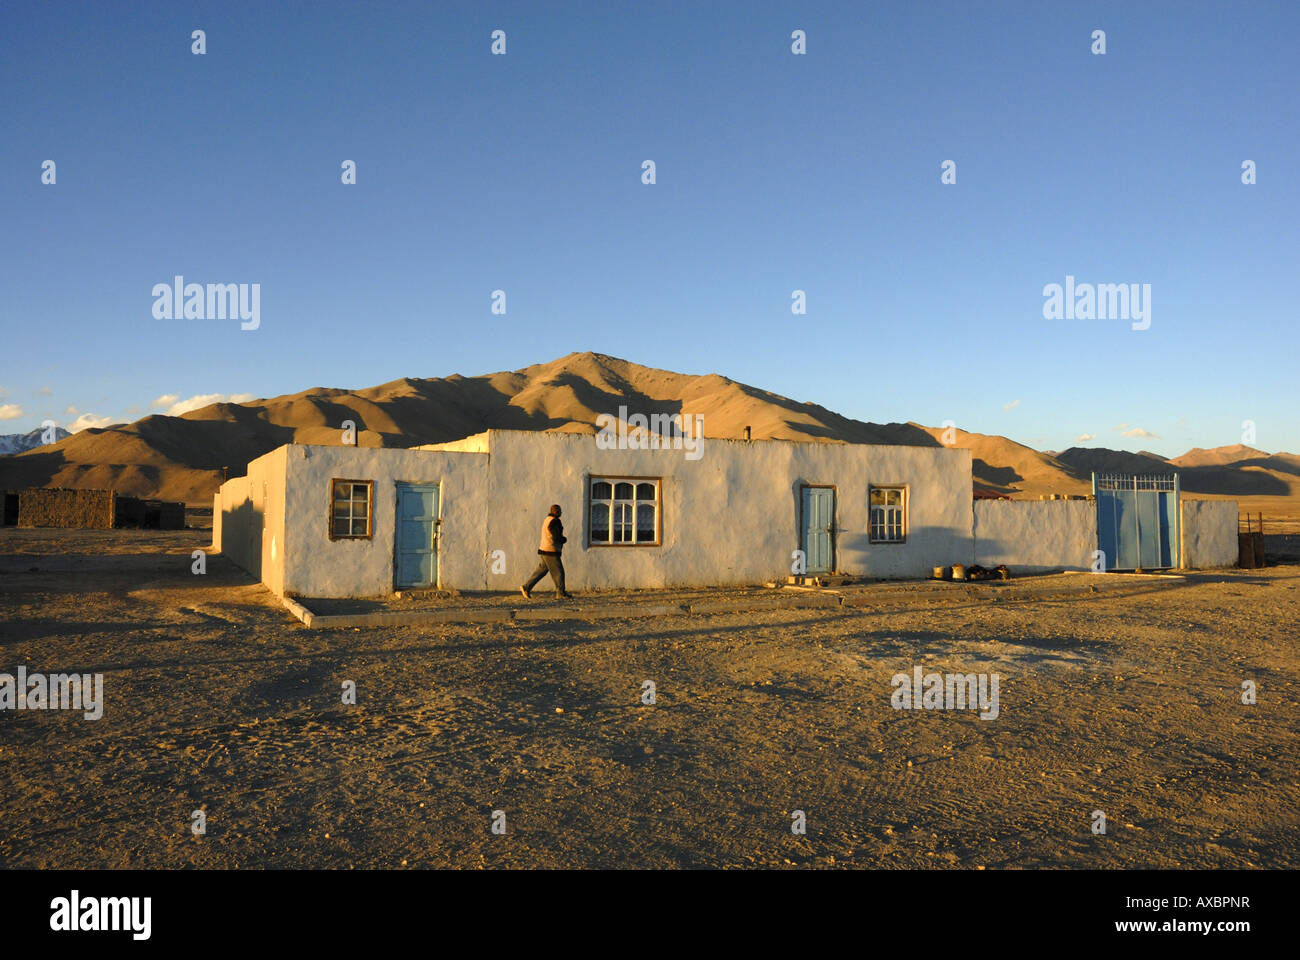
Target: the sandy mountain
pixel 1234 471
pixel 185 457
pixel 1004 466
pixel 1083 461
pixel 1217 456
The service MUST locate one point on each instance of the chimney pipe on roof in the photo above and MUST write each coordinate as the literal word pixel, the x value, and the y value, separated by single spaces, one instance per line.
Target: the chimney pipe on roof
pixel 747 437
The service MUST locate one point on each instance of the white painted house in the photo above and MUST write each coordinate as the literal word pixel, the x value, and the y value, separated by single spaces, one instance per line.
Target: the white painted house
pixel 344 521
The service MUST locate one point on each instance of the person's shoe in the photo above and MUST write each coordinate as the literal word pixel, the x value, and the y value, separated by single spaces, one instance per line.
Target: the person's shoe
pixel 528 595
pixel 566 596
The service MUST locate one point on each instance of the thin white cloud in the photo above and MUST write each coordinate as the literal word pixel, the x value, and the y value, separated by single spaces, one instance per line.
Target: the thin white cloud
pixel 1122 426
pixel 1139 432
pixel 163 402
pixel 1011 406
pixel 1085 437
pixel 45 392
pixel 89 420
pixel 71 411
pixel 201 400
pixel 10 411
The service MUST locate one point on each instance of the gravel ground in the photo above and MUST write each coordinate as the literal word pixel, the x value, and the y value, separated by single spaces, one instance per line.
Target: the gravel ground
pixel 1125 700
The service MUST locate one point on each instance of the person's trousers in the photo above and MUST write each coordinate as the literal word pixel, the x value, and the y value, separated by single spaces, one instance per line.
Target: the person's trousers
pixel 548 564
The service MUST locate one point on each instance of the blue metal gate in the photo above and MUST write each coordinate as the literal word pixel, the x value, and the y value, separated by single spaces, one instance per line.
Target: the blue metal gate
pixel 1137 521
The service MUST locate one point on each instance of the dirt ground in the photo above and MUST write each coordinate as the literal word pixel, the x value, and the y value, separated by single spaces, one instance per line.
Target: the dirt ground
pixel 1125 700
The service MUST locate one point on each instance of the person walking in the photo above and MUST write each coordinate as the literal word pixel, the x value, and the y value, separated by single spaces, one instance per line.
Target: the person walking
pixel 551 547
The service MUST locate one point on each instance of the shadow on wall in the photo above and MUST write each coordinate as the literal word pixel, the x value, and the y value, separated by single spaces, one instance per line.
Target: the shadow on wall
pixel 241 537
pixel 855 549
pixel 992 552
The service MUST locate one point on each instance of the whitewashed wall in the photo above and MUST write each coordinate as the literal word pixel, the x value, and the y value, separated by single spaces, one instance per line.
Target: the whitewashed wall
pixel 1035 536
pixel 1209 533
pixel 250 530
pixel 730 517
pixel 320 567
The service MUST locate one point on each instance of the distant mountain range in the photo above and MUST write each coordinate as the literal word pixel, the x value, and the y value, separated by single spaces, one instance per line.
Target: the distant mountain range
pixel 1004 466
pixel 182 458
pixel 18 442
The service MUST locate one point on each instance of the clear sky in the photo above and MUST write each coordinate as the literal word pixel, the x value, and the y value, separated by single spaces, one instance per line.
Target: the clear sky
pixel 774 172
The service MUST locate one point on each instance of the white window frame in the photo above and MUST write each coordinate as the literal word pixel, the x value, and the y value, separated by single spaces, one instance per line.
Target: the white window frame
pixel 893 528
pixel 615 505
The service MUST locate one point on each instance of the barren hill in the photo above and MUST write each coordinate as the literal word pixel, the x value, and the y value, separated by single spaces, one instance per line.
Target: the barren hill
pixel 182 458
pixel 1217 456
pixel 1005 466
pixel 185 457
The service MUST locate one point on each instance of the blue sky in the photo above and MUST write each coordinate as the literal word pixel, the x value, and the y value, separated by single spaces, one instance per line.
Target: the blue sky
pixel 775 172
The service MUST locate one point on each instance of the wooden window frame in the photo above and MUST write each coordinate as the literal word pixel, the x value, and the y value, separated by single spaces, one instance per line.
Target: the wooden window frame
pixel 906 510
pixel 593 479
pixel 370 510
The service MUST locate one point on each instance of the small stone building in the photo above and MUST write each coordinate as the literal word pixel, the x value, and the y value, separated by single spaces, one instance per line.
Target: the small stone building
pixel 88 509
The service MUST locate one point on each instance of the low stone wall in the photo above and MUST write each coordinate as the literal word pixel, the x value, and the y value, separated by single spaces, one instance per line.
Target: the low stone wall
pixel 1035 536
pixel 1209 533
pixel 66 508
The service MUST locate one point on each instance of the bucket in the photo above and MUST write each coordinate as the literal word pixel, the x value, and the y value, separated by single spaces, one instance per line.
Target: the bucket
pixel 939 573
pixel 958 571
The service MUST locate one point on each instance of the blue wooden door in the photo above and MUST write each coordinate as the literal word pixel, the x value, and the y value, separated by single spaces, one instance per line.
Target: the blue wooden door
pixel 817 518
pixel 415 547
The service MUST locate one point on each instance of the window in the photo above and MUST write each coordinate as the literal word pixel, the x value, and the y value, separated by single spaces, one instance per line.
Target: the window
pixel 624 512
pixel 888 514
pixel 350 509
